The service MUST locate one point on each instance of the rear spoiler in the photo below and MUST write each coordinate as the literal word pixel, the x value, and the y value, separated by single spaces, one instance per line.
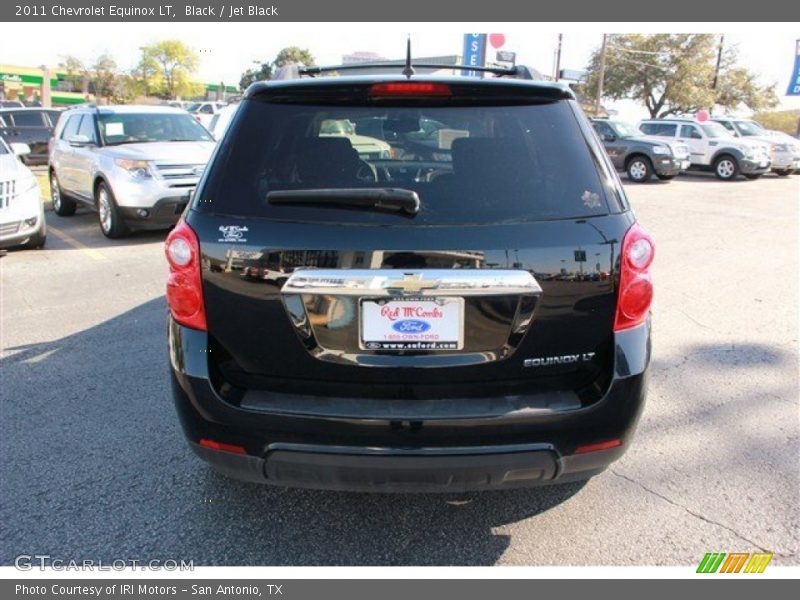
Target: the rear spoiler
pixel 300 71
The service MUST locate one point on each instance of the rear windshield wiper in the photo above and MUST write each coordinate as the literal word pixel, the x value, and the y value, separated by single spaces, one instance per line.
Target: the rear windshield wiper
pixel 391 199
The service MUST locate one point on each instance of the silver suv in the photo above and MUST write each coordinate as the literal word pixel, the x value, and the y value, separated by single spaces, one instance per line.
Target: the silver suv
pixel 135 165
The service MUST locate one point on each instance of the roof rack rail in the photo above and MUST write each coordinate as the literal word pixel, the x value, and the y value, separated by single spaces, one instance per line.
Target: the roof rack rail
pixel 517 71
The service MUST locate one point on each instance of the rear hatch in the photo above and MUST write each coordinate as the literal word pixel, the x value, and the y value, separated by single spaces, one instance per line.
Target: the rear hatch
pixel 469 250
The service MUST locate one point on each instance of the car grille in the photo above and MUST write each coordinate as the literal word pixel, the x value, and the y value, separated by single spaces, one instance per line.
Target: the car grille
pixel 9 228
pixel 179 175
pixel 8 190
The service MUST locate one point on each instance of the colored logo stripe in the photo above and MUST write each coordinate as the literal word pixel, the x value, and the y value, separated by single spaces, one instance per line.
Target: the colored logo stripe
pixel 758 562
pixel 711 562
pixel 734 562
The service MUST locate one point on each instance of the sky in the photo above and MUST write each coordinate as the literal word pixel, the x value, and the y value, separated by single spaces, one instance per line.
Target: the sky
pixel 227 49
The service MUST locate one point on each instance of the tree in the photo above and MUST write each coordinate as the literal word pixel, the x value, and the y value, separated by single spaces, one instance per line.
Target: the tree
pixel 167 68
pixel 291 55
pixel 674 73
pixel 262 73
pixel 99 78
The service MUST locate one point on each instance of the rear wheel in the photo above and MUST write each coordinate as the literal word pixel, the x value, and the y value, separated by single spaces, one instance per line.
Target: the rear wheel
pixel 62 205
pixel 639 169
pixel 782 172
pixel 111 223
pixel 726 168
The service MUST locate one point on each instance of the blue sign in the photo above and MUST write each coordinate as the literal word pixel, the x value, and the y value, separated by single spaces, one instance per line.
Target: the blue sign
pixel 474 52
pixel 794 83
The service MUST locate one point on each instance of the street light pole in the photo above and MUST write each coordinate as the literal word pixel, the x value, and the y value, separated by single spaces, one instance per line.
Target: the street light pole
pixel 558 58
pixel 601 77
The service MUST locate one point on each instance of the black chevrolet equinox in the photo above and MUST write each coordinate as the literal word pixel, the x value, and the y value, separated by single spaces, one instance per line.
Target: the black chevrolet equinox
pixel 412 283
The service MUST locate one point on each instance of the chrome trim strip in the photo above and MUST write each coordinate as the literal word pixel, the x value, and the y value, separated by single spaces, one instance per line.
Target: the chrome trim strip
pixel 415 283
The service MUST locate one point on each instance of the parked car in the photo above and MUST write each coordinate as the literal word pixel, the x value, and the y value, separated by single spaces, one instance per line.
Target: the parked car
pixel 31 126
pixel 784 150
pixel 204 111
pixel 21 207
pixel 638 155
pixel 221 119
pixel 135 165
pixel 712 147
pixel 422 339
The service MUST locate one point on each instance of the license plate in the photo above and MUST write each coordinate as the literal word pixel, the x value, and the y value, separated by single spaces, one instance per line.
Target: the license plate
pixel 412 324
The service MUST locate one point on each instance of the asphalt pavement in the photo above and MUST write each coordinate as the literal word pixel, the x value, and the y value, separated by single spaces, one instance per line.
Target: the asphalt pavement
pixel 93 464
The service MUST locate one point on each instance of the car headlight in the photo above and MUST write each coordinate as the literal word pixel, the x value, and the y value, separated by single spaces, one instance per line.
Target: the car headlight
pixel 138 169
pixel 661 150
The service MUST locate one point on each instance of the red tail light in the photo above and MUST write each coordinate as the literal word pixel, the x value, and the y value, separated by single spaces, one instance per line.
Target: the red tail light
pixel 587 448
pixel 635 283
pixel 222 446
pixel 184 288
pixel 410 89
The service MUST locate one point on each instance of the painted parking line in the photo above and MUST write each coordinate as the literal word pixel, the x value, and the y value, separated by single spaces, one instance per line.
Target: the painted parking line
pixel 95 254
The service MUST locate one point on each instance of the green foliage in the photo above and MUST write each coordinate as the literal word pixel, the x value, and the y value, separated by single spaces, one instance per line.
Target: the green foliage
pixel 674 73
pixel 166 69
pixel 288 56
pixel 787 121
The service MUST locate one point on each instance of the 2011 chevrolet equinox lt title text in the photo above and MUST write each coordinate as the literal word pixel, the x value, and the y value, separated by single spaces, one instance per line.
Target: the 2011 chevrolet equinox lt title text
pixel 461 304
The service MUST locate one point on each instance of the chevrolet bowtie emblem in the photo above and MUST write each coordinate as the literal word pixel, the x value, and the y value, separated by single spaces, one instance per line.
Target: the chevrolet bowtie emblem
pixel 411 283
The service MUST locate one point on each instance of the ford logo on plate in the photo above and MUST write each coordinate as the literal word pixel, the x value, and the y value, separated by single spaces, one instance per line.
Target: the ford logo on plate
pixel 411 326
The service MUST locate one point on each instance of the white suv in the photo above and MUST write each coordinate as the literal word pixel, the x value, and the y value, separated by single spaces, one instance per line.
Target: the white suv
pixel 21 209
pixel 784 149
pixel 135 165
pixel 713 148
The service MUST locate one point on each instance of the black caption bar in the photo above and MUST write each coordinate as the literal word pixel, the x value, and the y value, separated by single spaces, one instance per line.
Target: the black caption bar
pixel 629 11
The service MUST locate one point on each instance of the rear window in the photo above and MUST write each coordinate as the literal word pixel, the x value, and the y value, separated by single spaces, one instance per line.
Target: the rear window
pixel 468 164
pixel 661 129
pixel 32 118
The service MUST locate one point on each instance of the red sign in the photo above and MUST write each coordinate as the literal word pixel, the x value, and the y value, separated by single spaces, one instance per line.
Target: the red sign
pixel 702 115
pixel 497 40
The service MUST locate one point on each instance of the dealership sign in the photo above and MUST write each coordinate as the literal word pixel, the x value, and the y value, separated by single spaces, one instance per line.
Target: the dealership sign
pixel 794 83
pixel 474 51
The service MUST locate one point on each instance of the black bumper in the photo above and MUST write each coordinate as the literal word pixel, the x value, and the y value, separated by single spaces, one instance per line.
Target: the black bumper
pixel 667 166
pixel 384 453
pixel 162 215
pixel 749 167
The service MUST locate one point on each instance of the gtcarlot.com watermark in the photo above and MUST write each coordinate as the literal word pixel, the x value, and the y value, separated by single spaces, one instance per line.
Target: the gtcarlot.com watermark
pixel 29 562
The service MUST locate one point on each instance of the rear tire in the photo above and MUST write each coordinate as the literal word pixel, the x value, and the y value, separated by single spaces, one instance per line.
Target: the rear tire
pixel 108 215
pixel 782 172
pixel 726 168
pixel 63 206
pixel 639 169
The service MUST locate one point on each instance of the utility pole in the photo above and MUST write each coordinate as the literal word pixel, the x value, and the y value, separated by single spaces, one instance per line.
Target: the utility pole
pixel 601 77
pixel 558 58
pixel 716 73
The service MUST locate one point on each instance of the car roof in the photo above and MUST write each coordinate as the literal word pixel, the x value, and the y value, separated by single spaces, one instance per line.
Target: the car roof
pixel 131 109
pixel 546 88
pixel 25 108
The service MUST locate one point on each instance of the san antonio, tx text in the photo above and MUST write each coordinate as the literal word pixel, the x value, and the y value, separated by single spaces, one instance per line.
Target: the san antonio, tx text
pixel 129 589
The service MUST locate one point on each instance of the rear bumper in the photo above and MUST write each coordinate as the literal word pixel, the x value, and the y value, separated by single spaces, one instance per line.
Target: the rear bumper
pixel 445 451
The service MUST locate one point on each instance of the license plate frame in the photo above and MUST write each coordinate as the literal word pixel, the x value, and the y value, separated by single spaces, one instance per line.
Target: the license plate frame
pixel 414 340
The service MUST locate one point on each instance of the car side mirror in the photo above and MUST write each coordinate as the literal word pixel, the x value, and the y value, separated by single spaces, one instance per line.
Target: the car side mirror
pixel 20 150
pixel 78 140
pixel 608 137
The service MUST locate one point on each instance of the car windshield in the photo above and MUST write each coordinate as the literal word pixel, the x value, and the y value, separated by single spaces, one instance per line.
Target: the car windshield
pixel 626 130
pixel 134 128
pixel 467 164
pixel 715 130
pixel 748 128
pixel 193 107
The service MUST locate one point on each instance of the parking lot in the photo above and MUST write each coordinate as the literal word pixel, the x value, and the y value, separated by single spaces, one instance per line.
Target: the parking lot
pixel 95 467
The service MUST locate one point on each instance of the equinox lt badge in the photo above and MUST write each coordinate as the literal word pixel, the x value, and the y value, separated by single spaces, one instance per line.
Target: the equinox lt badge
pixel 564 359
